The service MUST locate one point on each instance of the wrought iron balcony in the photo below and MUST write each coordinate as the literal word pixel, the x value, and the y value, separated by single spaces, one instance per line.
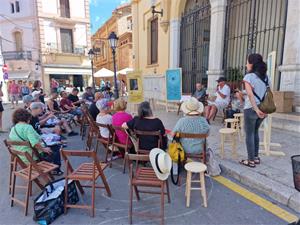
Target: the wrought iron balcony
pixel 14 55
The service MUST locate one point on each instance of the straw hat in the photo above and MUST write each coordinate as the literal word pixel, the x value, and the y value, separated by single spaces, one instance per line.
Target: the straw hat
pixel 161 163
pixel 192 106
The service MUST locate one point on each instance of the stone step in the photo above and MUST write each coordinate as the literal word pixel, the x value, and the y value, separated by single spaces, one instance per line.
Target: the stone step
pixel 286 121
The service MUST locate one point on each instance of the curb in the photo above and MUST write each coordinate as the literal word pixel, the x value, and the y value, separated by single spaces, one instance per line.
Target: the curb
pixel 275 190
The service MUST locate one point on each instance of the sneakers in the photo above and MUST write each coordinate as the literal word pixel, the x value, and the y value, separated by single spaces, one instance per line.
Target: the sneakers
pixel 117 156
pixel 72 133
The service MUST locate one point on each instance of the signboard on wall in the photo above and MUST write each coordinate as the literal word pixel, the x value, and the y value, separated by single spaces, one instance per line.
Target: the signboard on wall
pixel 135 87
pixel 173 84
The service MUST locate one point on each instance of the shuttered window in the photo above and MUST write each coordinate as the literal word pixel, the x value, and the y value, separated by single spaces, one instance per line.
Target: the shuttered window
pixel 64 8
pixel 154 41
pixel 66 36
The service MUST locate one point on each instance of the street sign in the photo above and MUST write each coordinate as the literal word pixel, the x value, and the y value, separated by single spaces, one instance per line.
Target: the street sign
pixel 5 68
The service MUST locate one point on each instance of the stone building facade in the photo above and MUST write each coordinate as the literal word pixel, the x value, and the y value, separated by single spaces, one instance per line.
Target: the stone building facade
pixel 47 39
pixel 121 23
pixel 211 38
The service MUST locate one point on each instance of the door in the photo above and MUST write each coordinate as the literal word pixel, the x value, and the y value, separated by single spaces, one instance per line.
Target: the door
pixel 253 26
pixel 194 44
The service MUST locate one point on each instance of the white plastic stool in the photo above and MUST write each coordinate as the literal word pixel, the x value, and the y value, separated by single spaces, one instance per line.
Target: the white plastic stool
pixel 195 167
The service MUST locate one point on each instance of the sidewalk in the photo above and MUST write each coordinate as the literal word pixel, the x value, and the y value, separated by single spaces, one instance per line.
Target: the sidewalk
pixel 273 177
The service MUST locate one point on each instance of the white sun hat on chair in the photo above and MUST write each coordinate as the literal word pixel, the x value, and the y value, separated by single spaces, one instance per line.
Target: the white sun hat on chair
pixel 161 163
pixel 192 106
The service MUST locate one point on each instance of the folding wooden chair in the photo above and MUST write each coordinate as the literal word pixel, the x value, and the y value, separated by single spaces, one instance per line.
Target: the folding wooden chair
pixel 18 163
pixel 85 172
pixel 117 144
pixel 201 156
pixel 32 172
pixel 106 142
pixel 145 177
pixel 84 120
pixel 156 134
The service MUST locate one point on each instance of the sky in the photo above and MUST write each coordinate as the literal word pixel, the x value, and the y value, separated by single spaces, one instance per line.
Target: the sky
pixel 100 11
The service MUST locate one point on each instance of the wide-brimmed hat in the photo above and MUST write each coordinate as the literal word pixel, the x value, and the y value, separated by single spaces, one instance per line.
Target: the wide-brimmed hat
pixel 192 106
pixel 161 163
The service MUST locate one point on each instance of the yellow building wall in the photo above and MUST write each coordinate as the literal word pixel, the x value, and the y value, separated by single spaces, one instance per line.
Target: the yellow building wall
pixel 142 14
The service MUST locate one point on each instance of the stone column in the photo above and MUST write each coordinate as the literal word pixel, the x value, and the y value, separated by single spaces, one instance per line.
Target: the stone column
pixel 174 43
pixel 216 44
pixel 290 69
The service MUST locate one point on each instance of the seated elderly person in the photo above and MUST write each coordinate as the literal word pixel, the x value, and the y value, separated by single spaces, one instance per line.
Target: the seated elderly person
pixel 88 95
pixel 200 93
pixel 38 120
pixel 94 111
pixel 145 121
pixel 193 123
pixel 221 102
pixel 63 116
pixel 23 131
pixel 103 117
pixel 27 100
pixel 68 106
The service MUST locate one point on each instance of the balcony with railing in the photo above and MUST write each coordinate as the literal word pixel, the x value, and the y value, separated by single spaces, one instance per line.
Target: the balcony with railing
pixel 17 55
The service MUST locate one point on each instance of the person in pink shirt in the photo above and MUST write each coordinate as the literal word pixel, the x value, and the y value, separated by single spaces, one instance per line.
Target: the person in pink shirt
pixel 119 118
pixel 14 92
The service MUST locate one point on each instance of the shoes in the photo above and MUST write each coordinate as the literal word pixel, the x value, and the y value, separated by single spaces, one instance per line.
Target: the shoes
pixel 114 157
pixel 63 137
pixel 72 133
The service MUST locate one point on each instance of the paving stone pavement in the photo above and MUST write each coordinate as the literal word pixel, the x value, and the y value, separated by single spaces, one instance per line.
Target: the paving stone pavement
pixel 224 206
pixel 273 177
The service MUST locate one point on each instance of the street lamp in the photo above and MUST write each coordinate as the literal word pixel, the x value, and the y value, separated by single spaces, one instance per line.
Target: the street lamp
pixel 113 43
pixel 91 57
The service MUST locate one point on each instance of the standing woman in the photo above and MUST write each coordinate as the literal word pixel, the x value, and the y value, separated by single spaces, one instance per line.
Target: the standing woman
pixel 37 87
pixel 253 116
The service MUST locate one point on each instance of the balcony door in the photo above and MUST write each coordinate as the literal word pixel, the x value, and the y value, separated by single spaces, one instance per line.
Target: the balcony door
pixel 66 36
pixel 18 41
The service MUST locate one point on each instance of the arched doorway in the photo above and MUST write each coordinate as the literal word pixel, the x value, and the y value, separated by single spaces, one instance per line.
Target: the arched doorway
pixel 253 26
pixel 194 43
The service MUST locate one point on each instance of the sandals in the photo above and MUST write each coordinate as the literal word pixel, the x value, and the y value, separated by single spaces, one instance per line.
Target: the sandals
pixel 257 160
pixel 248 163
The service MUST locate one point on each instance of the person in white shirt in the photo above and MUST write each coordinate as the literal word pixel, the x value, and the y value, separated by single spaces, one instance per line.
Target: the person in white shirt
pixel 222 100
pixel 103 117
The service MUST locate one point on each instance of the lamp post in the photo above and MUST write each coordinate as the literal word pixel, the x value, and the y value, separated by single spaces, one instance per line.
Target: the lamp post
pixel 91 54
pixel 113 43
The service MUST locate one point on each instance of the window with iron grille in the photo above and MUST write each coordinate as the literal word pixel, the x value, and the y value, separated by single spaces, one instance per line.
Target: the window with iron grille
pixel 66 36
pixel 153 40
pixel 64 8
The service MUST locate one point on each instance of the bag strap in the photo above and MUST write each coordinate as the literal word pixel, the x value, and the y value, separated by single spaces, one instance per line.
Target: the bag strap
pixel 178 171
pixel 18 134
pixel 266 82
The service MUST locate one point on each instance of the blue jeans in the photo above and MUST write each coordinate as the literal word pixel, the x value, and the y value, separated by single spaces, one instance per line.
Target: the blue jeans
pixel 76 112
pixel 252 124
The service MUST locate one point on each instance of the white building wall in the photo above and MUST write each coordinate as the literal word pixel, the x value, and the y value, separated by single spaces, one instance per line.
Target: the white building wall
pixel 50 33
pixel 77 8
pixel 50 7
pixel 80 35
